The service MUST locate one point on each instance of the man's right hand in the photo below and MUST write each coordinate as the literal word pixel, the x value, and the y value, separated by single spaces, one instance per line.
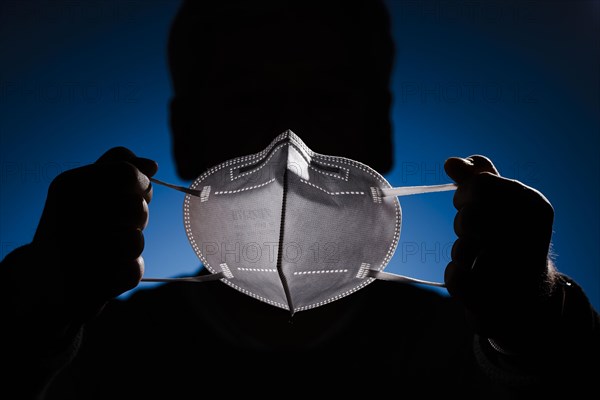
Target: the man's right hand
pixel 87 247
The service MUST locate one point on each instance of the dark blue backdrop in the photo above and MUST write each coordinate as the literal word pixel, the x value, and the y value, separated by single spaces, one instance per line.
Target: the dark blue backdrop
pixel 514 80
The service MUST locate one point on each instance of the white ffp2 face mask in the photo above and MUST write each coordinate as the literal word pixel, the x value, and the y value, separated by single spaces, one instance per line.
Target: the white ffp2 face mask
pixel 294 228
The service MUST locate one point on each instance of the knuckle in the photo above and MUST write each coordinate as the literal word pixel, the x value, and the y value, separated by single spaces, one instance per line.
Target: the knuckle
pixel 124 176
pixel 145 215
pixel 132 273
pixel 136 244
pixel 127 172
pixel 124 245
pixel 457 227
pixel 121 150
pixel 455 249
pixel 137 213
pixel 63 180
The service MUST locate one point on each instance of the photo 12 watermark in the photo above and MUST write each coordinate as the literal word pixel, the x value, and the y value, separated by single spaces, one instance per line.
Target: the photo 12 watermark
pixel 21 172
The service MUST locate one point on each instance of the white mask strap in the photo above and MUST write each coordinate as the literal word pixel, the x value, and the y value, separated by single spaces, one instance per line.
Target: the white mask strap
pixel 388 276
pixel 397 191
pixel 378 193
pixel 178 188
pixel 366 272
pixel 196 279
pixel 408 190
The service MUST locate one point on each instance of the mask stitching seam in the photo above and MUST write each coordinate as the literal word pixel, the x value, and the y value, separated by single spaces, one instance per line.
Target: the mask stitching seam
pixel 332 193
pixel 223 192
pixel 256 269
pixel 331 174
pixel 321 271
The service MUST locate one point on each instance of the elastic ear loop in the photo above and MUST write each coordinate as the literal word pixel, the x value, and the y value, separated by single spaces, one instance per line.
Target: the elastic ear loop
pixel 195 279
pixel 370 273
pixel 406 191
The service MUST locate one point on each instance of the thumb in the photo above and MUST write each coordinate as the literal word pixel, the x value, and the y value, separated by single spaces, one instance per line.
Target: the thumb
pixel 461 169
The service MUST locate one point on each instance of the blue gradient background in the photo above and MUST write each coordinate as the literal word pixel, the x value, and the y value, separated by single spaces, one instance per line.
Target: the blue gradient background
pixel 517 81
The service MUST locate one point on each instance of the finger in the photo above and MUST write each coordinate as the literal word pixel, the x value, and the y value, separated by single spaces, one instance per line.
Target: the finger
pixel 462 169
pixel 123 177
pixel 147 166
pixel 484 187
pixel 470 221
pixel 458 169
pixel 458 281
pixel 483 164
pixel 471 284
pixel 126 276
pixel 102 178
pixel 122 212
pixel 107 283
pixel 106 248
pixel 121 245
pixel 465 251
pixel 116 154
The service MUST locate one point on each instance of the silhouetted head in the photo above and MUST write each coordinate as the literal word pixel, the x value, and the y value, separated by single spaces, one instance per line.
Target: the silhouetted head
pixel 245 71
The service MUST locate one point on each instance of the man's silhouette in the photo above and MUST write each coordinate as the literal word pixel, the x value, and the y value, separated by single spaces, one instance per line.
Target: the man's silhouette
pixel 242 73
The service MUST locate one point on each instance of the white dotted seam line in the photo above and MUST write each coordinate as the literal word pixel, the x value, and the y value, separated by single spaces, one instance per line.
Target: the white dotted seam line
pixel 344 178
pixel 321 271
pixel 332 193
pixel 221 192
pixel 256 269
